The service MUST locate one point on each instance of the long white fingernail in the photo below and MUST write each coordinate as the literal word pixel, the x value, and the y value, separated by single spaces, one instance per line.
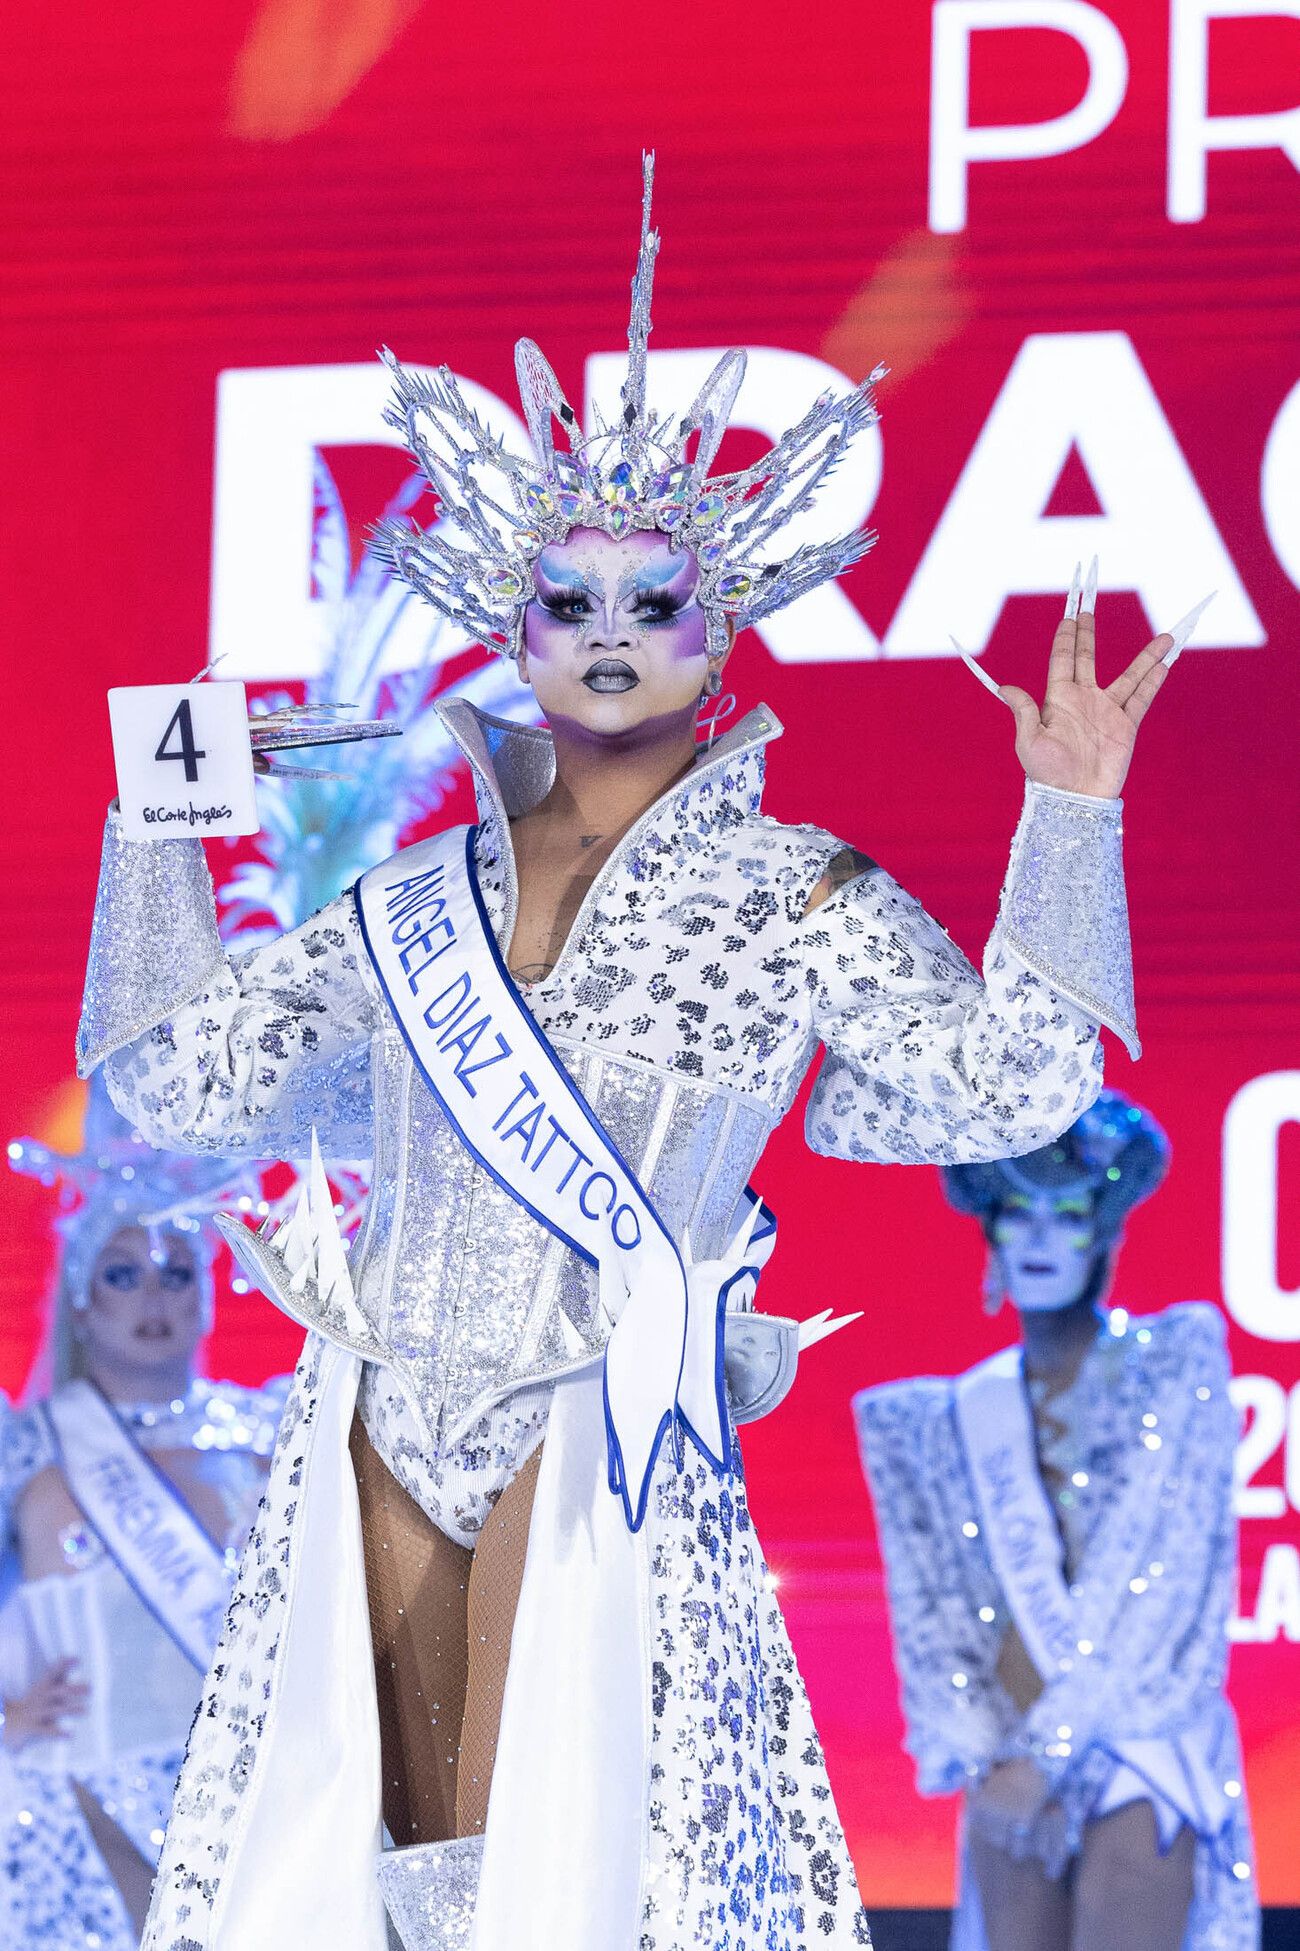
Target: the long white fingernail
pixel 977 669
pixel 1072 600
pixel 1182 630
pixel 1088 601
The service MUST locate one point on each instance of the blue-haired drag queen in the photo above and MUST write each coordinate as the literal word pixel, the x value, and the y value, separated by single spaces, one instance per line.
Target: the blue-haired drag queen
pixel 1060 1545
pixel 502 1656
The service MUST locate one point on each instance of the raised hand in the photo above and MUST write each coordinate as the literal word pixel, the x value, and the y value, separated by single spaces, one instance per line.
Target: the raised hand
pixel 1081 738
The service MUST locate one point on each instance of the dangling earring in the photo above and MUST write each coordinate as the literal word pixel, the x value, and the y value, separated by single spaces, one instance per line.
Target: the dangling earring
pixel 713 708
pixel 994 1291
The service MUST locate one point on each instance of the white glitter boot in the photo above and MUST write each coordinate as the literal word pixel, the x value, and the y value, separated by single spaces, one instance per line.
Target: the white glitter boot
pixel 429 1890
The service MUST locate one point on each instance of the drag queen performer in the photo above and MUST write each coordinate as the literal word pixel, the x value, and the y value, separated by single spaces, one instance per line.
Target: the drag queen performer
pixel 129 1489
pixel 1060 1543
pixel 572 1028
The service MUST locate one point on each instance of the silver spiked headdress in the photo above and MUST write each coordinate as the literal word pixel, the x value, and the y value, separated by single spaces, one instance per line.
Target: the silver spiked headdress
pixel 500 510
pixel 116 1179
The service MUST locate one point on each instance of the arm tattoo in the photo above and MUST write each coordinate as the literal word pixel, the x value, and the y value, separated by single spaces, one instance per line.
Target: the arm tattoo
pixel 847 865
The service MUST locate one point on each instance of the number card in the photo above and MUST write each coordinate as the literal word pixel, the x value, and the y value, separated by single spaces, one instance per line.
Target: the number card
pixel 184 760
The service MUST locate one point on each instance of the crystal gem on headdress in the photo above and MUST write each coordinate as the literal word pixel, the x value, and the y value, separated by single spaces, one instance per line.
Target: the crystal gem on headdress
pixel 672 486
pixel 631 472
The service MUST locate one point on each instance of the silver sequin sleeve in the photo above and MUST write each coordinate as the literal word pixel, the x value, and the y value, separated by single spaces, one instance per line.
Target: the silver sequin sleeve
pixel 203 1053
pixel 153 944
pixel 25 1448
pixel 1064 913
pixel 1163 1659
pixel 954 1728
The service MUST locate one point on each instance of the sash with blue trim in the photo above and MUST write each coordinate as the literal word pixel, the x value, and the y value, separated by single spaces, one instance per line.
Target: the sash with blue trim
pixel 514 1107
pixel 140 1518
pixel 1059 1624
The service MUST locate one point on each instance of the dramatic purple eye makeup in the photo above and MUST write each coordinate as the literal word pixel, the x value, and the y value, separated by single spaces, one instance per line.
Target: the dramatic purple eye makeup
pixel 612 617
pixel 574 588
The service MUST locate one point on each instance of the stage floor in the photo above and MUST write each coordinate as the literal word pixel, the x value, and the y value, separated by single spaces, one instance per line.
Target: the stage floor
pixel 927 1930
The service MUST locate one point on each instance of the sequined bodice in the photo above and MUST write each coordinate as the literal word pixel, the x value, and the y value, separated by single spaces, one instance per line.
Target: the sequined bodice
pixel 469 1292
pixel 1080 1433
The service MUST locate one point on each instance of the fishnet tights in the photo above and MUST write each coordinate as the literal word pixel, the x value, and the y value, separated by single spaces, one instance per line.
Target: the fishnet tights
pixel 1119 1892
pixel 441 1619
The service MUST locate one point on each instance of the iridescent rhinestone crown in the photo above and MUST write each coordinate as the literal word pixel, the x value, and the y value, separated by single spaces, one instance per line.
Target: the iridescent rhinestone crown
pixel 499 510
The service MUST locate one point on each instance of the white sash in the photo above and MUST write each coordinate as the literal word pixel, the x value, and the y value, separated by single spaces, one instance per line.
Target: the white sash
pixel 516 1109
pixel 1027 1553
pixel 1020 1530
pixel 139 1517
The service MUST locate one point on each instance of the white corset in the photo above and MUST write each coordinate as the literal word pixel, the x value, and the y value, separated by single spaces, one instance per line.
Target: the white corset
pixel 142 1687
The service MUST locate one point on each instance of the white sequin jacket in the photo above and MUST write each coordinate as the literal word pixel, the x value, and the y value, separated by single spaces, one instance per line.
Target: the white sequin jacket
pixel 1162 1590
pixel 688 1003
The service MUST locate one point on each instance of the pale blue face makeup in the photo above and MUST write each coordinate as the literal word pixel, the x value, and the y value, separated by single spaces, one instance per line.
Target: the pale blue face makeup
pixel 146 1302
pixel 1046 1246
pixel 615 635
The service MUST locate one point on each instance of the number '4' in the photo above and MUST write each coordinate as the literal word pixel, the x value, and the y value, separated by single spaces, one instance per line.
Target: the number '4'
pixel 182 724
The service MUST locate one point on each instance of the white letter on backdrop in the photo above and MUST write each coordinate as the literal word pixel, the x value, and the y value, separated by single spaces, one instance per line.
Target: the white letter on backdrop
pixel 1279 485
pixel 1193 131
pixel 954 144
pixel 1251 1290
pixel 270 421
pixel 1086 390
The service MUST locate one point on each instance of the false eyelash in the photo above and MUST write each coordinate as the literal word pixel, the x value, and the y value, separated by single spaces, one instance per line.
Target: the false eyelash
pixel 660 607
pixel 566 609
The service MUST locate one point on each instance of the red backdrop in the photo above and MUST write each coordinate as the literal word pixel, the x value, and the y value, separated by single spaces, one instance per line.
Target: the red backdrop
pixel 263 183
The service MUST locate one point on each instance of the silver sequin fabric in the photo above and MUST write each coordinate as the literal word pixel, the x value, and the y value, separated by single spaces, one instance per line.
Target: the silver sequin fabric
pixel 1164 1591
pixel 430 1890
pixel 55 1888
pixel 746 1849
pixel 455 1484
pixel 1063 914
pixel 228 1723
pixel 154 943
